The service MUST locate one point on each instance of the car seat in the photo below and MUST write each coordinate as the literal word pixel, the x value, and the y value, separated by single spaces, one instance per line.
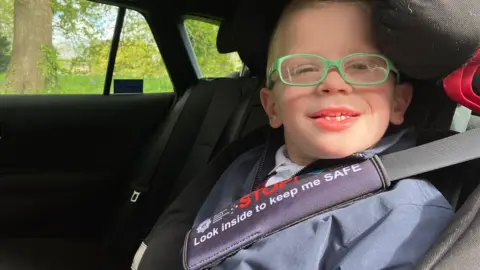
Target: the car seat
pixel 431 113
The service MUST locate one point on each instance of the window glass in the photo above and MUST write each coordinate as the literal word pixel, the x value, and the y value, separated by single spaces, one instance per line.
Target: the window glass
pixel 203 37
pixel 138 56
pixel 62 47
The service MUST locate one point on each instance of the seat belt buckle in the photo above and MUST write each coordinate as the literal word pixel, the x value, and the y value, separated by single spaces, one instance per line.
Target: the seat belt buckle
pixel 135 196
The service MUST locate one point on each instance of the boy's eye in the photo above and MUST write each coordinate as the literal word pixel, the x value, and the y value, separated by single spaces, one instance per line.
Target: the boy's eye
pixel 365 65
pixel 303 69
pixel 360 66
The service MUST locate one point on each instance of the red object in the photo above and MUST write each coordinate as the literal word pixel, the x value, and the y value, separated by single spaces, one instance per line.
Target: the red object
pixel 458 85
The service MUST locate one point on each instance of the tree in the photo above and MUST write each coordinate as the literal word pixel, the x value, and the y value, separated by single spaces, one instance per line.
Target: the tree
pixel 33 58
pixel 4 53
pixel 32 38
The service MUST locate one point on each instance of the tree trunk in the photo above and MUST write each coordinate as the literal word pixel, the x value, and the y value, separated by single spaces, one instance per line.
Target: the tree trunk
pixel 32 33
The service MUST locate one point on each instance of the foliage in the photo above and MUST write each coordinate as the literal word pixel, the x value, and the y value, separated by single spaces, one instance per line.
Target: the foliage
pixel 83 84
pixel 6 33
pixel 80 20
pixel 6 18
pixel 48 66
pixel 4 53
pixel 137 55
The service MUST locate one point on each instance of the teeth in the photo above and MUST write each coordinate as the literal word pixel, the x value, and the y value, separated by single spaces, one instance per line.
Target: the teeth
pixel 337 116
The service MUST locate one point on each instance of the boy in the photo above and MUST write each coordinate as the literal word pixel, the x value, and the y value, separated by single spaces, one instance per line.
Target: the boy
pixel 331 111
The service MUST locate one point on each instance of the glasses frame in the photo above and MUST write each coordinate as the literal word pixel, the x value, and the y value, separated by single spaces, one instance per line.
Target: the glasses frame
pixel 276 65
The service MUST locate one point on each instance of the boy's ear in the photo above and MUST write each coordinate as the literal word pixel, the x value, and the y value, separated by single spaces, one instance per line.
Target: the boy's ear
pixel 402 96
pixel 268 103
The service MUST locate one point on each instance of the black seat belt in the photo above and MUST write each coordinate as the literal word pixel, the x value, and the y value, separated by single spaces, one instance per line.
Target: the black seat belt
pixel 226 232
pixel 135 189
pixel 220 107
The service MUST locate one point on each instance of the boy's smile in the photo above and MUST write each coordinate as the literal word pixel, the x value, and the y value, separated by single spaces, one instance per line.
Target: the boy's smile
pixel 334 118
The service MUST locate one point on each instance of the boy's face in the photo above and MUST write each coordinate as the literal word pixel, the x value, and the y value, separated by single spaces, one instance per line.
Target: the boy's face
pixel 333 31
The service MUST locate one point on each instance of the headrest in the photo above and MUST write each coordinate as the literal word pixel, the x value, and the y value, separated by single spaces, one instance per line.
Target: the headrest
pixel 226 42
pixel 249 30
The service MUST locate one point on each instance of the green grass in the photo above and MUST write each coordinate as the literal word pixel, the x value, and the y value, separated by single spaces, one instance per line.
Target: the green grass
pixel 80 84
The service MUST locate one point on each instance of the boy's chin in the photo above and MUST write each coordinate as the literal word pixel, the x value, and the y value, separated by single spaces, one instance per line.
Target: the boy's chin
pixel 336 151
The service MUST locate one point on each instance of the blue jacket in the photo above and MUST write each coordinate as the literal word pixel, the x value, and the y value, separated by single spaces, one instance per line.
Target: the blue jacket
pixel 389 230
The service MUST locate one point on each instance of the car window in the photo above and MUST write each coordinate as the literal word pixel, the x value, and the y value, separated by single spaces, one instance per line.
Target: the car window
pixel 67 48
pixel 138 56
pixel 203 37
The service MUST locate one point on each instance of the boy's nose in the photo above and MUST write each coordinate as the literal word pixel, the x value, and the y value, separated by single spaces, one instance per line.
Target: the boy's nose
pixel 333 84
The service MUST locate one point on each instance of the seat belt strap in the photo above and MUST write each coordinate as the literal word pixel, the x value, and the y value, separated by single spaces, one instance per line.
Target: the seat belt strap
pixel 141 182
pixel 268 210
pixel 148 164
pixel 431 156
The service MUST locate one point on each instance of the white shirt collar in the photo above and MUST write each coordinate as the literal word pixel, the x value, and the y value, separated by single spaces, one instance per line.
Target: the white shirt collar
pixel 284 167
pixel 281 157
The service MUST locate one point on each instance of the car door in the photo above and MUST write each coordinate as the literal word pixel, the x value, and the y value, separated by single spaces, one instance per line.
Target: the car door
pixel 68 144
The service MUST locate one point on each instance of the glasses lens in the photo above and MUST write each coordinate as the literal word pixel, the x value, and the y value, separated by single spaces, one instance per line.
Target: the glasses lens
pixel 365 69
pixel 302 69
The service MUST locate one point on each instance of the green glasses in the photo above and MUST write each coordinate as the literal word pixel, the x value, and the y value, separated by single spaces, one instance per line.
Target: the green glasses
pixel 361 69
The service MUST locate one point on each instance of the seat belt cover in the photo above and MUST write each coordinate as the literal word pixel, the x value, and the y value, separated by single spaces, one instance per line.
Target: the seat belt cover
pixel 276 207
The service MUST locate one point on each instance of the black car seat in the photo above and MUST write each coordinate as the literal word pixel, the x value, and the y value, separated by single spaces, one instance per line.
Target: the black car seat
pixel 182 146
pixel 431 114
pixel 161 248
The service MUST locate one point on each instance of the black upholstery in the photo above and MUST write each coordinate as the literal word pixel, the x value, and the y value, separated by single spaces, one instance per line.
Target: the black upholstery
pixel 190 146
pixel 187 152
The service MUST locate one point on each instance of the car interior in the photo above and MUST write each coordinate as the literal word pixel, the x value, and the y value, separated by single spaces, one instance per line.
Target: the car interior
pixel 84 178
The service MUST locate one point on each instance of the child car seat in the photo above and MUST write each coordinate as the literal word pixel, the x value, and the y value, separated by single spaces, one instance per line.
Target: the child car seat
pixel 443 155
pixel 431 113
